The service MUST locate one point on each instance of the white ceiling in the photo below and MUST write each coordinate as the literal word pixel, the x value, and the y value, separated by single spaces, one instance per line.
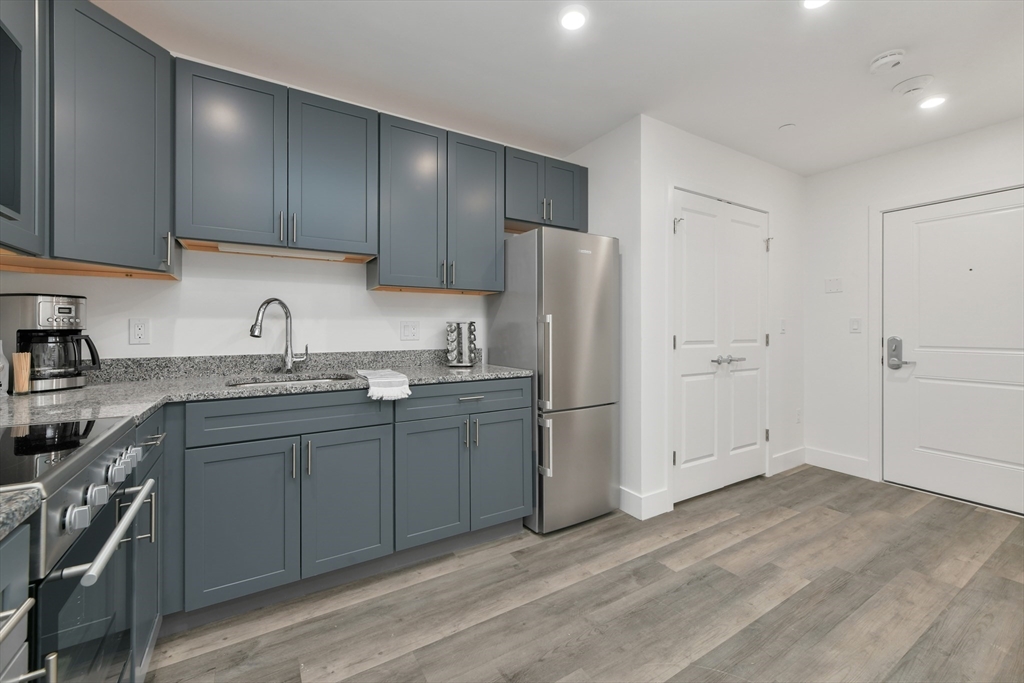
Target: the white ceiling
pixel 728 70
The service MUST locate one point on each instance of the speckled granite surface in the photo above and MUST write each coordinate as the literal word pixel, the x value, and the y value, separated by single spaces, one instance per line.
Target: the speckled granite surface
pixel 139 399
pixel 16 507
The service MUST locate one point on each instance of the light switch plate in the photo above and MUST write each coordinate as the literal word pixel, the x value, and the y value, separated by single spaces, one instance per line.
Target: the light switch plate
pixel 138 330
pixel 833 285
pixel 410 330
pixel 856 325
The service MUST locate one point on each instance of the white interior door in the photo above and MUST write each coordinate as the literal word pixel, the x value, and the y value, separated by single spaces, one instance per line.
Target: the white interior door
pixel 720 294
pixel 953 417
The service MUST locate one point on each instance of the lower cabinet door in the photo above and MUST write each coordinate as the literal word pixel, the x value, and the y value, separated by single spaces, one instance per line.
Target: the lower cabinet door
pixel 241 519
pixel 431 480
pixel 500 460
pixel 148 541
pixel 347 498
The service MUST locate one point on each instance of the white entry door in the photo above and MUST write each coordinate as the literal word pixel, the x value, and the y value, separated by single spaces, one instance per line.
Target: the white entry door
pixel 719 402
pixel 953 416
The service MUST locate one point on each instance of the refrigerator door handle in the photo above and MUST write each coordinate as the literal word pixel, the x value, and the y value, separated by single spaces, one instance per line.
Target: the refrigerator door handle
pixel 548 471
pixel 548 403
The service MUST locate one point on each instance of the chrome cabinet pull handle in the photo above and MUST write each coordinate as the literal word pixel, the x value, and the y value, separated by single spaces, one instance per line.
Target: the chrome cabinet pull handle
pixel 90 573
pixel 294 461
pixel 155 440
pixel 543 209
pixel 444 272
pixel 295 228
pixel 471 398
pixel 170 242
pixel 551 210
pixel 467 432
pixel 309 458
pixel 476 439
pixel 14 617
pixel 453 272
pixel 280 225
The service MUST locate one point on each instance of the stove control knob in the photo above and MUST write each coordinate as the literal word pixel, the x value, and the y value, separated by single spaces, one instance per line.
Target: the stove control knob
pixel 126 463
pixel 116 474
pixel 132 456
pixel 135 453
pixel 77 517
pixel 97 495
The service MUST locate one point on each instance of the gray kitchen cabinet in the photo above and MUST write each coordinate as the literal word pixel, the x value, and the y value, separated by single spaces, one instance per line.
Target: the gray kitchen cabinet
pixel 524 186
pixel 332 175
pixel 148 564
pixel 413 206
pixel 242 528
pixel 501 477
pixel 476 214
pixel 565 187
pixel 543 190
pixel 21 225
pixel 347 498
pixel 111 141
pixel 431 480
pixel 231 156
pixel 14 566
pixel 171 533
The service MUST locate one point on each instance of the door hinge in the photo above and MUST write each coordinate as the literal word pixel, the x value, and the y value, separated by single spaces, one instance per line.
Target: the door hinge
pixel 673 342
pixel 673 458
pixel 767 339
pixel 768 243
pixel 675 222
pixel 766 435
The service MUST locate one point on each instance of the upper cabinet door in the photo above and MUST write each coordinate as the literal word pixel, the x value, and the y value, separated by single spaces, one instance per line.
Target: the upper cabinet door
pixel 111 140
pixel 232 156
pixel 565 187
pixel 19 226
pixel 413 205
pixel 524 186
pixel 332 175
pixel 476 214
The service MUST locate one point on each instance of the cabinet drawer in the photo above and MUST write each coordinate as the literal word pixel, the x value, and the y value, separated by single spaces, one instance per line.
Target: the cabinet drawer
pixel 14 552
pixel 247 419
pixel 463 398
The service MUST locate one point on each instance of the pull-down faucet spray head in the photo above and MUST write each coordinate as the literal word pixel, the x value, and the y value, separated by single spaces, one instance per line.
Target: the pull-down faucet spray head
pixel 256 330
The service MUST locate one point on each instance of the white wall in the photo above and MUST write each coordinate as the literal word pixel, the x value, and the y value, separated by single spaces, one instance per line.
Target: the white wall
pixel 637 209
pixel 210 310
pixel 838 366
pixel 613 161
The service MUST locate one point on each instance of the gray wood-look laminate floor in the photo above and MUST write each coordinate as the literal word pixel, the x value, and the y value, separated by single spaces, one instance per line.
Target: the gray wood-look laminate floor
pixel 811 575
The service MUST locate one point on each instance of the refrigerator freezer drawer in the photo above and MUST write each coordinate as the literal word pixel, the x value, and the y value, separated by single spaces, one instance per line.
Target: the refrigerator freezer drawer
pixel 579 453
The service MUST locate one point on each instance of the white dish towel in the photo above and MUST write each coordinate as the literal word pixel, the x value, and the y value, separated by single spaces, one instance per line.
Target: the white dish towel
pixel 386 385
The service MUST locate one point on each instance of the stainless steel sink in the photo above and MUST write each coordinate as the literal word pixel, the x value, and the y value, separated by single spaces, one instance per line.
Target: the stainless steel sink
pixel 289 379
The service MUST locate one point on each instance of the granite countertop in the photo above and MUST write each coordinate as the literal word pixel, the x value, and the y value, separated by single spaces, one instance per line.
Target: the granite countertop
pixel 142 397
pixel 16 507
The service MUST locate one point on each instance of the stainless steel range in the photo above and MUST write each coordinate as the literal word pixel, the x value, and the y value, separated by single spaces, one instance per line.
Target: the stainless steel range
pixel 82 559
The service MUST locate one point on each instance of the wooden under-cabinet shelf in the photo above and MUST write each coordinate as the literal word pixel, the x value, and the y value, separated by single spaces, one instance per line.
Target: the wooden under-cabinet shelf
pixel 428 290
pixel 274 252
pixel 18 263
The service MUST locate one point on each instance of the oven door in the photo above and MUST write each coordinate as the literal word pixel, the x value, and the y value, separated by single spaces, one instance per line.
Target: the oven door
pixel 86 618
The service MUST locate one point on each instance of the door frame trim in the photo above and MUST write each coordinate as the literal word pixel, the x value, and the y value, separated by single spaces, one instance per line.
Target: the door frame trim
pixel 669 313
pixel 876 216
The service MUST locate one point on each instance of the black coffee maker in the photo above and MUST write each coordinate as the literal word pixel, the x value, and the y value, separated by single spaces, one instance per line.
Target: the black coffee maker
pixel 49 326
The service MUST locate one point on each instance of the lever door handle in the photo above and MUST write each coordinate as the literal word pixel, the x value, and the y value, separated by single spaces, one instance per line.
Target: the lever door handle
pixel 720 360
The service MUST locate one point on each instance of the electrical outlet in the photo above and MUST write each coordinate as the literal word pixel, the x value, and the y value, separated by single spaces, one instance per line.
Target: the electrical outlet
pixel 410 330
pixel 799 415
pixel 138 330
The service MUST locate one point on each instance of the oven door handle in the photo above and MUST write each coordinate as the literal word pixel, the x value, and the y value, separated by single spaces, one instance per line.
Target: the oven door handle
pixel 90 573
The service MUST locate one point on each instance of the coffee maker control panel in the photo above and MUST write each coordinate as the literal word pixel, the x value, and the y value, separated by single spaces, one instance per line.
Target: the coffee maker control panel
pixel 60 313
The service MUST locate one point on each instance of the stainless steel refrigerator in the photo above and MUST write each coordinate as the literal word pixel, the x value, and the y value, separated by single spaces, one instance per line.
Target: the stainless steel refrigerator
pixel 560 316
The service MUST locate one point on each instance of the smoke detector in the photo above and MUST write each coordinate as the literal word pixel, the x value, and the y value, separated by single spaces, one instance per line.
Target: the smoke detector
pixel 887 61
pixel 913 86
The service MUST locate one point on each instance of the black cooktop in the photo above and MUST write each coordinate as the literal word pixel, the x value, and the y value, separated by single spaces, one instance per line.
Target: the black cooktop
pixel 29 451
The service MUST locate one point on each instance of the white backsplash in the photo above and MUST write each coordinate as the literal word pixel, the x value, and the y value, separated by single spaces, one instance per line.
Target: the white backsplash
pixel 210 310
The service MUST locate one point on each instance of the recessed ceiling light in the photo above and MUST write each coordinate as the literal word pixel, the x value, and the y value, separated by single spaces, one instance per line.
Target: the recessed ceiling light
pixel 573 17
pixel 932 101
pixel 815 4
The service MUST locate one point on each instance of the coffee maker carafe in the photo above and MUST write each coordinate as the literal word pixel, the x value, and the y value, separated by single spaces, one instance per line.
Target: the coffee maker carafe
pixel 49 326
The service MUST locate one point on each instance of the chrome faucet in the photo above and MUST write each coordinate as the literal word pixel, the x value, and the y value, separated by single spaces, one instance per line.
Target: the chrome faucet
pixel 257 331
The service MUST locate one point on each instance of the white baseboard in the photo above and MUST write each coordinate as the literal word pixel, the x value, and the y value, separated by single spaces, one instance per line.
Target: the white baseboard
pixel 787 460
pixel 644 506
pixel 847 464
